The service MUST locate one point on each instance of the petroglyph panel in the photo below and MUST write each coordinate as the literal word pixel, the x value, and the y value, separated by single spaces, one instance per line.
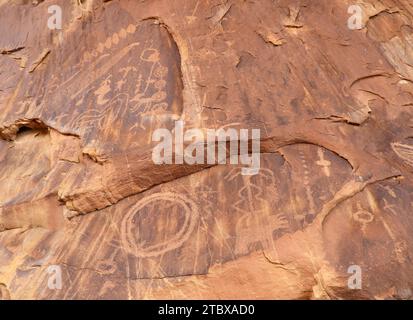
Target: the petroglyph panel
pixel 78 188
pixel 364 230
pixel 138 87
pixel 124 83
pixel 192 224
pixel 320 172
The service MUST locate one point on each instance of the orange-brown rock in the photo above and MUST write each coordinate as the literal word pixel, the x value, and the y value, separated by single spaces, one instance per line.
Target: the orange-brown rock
pixel 80 192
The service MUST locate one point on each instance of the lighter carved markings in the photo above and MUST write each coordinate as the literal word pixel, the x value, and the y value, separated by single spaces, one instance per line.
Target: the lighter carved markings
pixel 363 216
pixel 88 71
pixel 111 40
pixel 307 186
pixel 140 76
pixel 251 229
pixel 322 162
pixel 129 230
pixel 257 223
pixel 404 151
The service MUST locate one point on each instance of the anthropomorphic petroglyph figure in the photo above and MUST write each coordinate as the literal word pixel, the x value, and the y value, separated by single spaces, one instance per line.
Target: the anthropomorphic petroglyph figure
pixel 258 222
pixel 325 164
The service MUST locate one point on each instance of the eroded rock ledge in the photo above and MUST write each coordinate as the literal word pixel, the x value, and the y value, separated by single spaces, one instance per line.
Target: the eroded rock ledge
pixel 80 190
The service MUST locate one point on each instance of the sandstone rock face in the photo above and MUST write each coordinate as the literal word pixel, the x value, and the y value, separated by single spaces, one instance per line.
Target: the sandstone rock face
pixel 85 213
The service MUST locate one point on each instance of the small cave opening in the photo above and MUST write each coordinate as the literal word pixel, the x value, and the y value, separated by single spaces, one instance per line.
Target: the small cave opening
pixel 23 129
pixel 35 129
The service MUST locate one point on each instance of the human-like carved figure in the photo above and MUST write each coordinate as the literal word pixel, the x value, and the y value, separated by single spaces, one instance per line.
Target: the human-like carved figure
pixel 258 223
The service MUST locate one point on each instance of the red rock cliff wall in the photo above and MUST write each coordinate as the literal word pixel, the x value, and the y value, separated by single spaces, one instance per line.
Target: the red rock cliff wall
pixel 80 194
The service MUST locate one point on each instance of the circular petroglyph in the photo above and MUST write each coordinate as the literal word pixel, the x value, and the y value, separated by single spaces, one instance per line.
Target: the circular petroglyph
pixel 115 38
pixel 363 216
pixel 161 72
pixel 168 235
pixel 160 84
pixel 131 28
pixel 150 55
pixel 107 266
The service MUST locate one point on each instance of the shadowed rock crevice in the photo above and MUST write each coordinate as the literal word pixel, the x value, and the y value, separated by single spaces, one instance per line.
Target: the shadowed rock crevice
pixel 4 292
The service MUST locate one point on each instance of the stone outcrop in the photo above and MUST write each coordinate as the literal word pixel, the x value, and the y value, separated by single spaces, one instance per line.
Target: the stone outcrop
pixel 82 200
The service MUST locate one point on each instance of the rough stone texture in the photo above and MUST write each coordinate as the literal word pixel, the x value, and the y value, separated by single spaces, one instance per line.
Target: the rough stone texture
pixel 78 187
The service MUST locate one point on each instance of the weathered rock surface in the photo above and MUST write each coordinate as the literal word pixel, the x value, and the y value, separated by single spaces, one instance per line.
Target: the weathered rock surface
pixel 79 189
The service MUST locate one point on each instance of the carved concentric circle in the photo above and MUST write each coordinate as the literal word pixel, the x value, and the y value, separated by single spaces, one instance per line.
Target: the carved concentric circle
pixel 132 229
